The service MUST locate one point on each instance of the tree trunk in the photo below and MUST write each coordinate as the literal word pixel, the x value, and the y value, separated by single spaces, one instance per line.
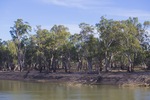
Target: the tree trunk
pixel 19 54
pixel 40 65
pixel 65 66
pixel 130 66
pixel 64 63
pixel 108 60
pixel 100 66
pixel 69 64
pixel 89 64
pixel 54 65
pixel 79 66
pixel 51 62
pixel 106 65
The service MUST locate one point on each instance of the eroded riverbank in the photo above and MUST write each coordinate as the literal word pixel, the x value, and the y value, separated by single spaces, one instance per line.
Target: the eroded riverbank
pixel 117 78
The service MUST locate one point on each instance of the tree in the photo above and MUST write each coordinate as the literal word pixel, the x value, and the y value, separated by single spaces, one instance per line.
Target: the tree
pixel 3 55
pixel 88 43
pixel 50 45
pixel 19 33
pixel 109 36
pixel 31 53
pixel 12 54
pixel 122 44
pixel 132 40
pixel 60 36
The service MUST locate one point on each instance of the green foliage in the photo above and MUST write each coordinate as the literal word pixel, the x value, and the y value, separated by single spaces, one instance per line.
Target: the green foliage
pixel 19 35
pixel 108 44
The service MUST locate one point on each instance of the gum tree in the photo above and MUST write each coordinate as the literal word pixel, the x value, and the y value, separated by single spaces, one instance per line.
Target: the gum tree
pixel 19 33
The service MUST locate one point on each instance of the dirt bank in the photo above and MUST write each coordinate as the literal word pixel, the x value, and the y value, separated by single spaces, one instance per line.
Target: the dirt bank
pixel 117 78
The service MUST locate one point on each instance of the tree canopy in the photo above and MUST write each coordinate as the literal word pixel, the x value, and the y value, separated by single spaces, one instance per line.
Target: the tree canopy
pixel 106 46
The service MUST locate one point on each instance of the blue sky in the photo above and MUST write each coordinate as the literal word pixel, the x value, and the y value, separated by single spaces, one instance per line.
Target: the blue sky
pixel 68 12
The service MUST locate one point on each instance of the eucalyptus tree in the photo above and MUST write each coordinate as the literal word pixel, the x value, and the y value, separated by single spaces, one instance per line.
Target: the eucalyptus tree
pixel 123 43
pixel 19 33
pixel 12 54
pixel 76 50
pixel 50 44
pixel 88 43
pixel 60 36
pixel 144 39
pixel 146 47
pixel 31 53
pixel 7 55
pixel 42 47
pixel 109 37
pixel 132 40
pixel 3 55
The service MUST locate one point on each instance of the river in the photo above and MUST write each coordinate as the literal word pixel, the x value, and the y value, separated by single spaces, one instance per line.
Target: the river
pixel 17 90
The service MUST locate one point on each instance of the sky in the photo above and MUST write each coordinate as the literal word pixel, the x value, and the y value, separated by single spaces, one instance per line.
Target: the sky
pixel 68 12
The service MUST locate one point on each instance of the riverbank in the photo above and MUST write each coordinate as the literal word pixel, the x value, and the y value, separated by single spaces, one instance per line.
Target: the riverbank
pixel 113 78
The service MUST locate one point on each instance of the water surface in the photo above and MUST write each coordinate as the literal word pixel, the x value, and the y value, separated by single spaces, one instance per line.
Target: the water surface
pixel 17 90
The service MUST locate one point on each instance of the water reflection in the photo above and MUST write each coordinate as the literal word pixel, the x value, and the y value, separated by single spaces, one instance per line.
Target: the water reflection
pixel 16 90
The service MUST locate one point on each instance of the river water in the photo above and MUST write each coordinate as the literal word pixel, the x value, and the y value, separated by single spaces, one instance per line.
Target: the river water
pixel 17 90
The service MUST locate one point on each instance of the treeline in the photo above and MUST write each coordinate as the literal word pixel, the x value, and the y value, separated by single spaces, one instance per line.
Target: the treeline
pixel 107 45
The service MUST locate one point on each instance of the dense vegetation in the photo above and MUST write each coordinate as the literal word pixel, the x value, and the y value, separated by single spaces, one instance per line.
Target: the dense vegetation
pixel 106 46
